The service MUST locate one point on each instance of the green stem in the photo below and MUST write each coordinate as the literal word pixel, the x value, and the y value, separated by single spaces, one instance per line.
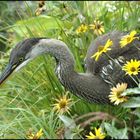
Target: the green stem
pixel 134 80
pixel 138 48
pixel 137 78
pixel 109 57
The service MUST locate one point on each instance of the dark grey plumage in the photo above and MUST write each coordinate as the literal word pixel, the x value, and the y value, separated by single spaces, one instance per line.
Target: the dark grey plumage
pixel 120 55
pixel 94 85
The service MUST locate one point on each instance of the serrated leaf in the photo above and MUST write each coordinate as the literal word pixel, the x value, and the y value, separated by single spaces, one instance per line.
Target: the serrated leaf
pixel 137 112
pixel 133 102
pixel 69 126
pixel 68 122
pixel 131 91
pixel 116 133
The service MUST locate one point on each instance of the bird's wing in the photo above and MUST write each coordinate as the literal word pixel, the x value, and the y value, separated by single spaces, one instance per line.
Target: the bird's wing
pixel 108 69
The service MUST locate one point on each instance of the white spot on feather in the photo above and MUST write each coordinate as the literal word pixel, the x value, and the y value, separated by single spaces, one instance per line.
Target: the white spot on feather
pixel 58 73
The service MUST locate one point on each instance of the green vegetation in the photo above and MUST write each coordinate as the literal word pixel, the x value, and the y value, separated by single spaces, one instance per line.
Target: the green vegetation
pixel 27 97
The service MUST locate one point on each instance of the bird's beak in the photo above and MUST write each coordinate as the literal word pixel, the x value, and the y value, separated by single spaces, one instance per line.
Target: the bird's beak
pixel 6 73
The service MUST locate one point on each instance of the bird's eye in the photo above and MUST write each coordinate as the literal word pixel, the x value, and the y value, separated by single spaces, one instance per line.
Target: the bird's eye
pixel 21 59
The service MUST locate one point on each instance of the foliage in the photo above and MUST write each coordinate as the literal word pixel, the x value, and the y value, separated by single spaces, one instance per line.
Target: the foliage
pixel 27 97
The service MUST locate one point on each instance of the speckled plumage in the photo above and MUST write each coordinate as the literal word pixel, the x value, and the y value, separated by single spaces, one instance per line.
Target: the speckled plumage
pixel 120 55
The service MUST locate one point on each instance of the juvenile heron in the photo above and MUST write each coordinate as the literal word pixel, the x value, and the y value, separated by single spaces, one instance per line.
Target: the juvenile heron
pixel 94 85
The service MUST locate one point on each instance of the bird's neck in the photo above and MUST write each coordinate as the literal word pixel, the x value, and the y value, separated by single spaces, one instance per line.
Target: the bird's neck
pixel 79 84
pixel 60 51
pixel 56 48
pixel 64 58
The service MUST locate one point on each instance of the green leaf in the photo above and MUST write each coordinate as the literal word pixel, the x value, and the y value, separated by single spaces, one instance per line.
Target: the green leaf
pixel 69 126
pixel 114 132
pixel 131 91
pixel 68 122
pixel 133 102
pixel 38 24
pixel 137 112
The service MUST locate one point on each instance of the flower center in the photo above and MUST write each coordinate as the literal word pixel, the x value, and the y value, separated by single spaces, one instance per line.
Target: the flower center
pixel 128 39
pixel 100 48
pixel 62 104
pixel 98 26
pixel 120 97
pixel 82 29
pixel 119 94
pixel 133 69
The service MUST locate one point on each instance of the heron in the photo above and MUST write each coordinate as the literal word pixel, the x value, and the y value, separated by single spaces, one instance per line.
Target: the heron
pixel 93 85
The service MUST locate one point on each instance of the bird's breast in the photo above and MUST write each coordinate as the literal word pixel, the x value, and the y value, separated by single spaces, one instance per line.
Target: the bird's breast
pixel 58 73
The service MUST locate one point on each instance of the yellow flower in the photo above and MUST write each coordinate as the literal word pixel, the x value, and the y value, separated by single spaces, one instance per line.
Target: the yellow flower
pixel 132 67
pixel 97 27
pixel 115 94
pixel 82 28
pixel 41 8
pixel 128 39
pixel 102 49
pixel 98 134
pixel 63 104
pixel 36 136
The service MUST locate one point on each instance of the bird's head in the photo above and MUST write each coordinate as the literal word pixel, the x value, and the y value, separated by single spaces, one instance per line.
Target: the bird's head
pixel 19 57
pixel 28 49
